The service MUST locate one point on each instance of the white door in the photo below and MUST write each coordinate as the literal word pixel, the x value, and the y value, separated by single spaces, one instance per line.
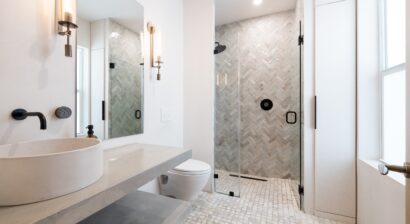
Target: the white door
pixel 336 111
pixel 97 92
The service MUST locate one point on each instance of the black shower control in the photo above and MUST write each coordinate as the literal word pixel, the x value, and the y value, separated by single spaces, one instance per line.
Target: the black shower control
pixel 288 116
pixel 112 65
pixel 138 114
pixel 63 112
pixel 266 104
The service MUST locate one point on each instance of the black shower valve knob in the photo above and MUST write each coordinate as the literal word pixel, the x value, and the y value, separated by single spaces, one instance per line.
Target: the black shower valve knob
pixel 266 104
pixel 63 112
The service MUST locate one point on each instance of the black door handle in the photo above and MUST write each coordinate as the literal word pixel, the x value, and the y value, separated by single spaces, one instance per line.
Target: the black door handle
pixel 295 117
pixel 103 110
pixel 315 112
pixel 138 114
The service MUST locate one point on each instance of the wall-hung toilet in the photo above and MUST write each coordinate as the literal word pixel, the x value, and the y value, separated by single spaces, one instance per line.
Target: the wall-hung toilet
pixel 186 180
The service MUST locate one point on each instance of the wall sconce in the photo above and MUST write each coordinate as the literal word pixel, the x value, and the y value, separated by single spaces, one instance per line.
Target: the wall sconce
pixel 155 49
pixel 67 21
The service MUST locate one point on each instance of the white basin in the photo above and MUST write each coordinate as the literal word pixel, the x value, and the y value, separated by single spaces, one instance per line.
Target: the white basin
pixel 39 170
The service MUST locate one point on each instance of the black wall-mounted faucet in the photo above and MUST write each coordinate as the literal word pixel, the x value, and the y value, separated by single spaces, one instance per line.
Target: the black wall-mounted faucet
pixel 21 114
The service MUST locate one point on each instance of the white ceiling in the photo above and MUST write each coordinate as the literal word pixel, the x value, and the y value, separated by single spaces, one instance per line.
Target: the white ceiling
pixel 228 11
pixel 128 13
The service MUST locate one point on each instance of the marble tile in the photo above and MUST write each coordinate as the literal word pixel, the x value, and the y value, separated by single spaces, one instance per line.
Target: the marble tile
pixel 270 202
pixel 125 81
pixel 261 61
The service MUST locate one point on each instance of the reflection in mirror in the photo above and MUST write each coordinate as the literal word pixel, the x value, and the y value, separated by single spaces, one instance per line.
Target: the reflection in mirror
pixel 110 67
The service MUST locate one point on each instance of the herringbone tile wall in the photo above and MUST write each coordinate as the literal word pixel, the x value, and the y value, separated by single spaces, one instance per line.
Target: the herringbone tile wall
pixel 125 81
pixel 261 61
pixel 227 106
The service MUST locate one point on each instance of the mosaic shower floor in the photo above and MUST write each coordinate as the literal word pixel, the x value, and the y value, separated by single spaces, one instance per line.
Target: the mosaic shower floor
pixel 261 202
pixel 227 182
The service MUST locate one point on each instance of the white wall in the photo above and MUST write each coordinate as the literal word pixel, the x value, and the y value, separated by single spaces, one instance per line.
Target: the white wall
pixel 369 91
pixel 34 73
pixel 84 33
pixel 381 199
pixel 36 76
pixel 199 28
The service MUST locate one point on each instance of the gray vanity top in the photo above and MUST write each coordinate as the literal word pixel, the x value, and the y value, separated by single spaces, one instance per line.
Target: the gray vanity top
pixel 125 170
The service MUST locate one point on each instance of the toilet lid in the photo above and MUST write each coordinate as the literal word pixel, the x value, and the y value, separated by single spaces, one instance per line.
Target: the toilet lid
pixel 193 167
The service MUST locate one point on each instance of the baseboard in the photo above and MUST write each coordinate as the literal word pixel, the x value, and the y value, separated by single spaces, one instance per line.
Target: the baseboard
pixel 334 217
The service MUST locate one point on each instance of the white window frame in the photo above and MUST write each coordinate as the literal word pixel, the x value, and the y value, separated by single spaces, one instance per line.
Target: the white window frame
pixel 384 70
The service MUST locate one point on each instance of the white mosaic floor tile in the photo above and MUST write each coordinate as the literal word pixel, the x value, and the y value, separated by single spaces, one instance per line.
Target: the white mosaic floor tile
pixel 270 202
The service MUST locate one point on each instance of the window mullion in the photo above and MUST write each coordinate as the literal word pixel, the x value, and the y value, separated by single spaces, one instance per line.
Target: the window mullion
pixel 393 70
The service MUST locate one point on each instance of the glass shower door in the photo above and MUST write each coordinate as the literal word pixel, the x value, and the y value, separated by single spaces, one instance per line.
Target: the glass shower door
pixel 258 107
pixel 125 108
pixel 125 84
pixel 227 117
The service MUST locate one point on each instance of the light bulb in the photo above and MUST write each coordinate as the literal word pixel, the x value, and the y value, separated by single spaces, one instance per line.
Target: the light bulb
pixel 257 2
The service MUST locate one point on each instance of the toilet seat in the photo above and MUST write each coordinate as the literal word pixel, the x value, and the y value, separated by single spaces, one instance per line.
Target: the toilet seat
pixel 192 167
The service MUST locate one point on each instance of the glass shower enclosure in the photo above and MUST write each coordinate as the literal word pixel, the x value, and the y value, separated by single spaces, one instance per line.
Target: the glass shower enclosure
pixel 258 103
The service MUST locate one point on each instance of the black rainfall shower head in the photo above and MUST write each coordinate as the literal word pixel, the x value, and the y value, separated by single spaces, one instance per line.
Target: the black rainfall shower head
pixel 219 48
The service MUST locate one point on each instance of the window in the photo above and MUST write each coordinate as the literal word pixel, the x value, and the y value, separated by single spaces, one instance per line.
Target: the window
pixel 82 90
pixel 393 77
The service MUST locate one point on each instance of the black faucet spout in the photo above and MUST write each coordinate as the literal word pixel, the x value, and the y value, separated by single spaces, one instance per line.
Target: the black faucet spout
pixel 41 117
pixel 21 114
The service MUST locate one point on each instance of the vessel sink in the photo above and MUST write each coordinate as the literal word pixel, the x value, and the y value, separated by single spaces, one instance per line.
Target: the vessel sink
pixel 40 170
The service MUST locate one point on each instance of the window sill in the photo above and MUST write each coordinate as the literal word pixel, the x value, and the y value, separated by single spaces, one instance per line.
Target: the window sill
pixel 397 177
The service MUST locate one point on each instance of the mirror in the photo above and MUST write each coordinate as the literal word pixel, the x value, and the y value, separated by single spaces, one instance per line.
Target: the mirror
pixel 110 68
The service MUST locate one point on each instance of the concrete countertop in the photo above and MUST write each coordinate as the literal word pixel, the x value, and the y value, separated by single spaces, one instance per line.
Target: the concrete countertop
pixel 126 169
